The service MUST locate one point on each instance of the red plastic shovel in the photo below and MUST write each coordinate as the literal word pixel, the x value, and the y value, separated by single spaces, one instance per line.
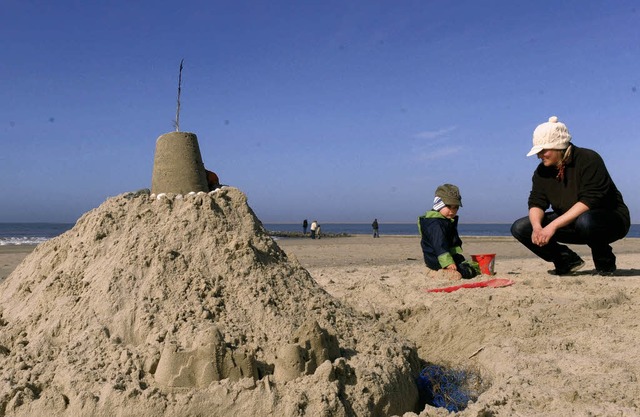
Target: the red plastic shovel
pixel 493 283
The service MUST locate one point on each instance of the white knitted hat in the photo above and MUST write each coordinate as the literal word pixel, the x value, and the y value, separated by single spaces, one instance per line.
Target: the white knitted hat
pixel 550 135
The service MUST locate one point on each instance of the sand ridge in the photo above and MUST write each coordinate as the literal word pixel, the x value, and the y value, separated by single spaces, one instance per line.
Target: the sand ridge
pixel 183 305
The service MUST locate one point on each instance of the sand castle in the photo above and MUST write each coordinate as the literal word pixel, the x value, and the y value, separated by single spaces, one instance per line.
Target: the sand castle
pixel 171 303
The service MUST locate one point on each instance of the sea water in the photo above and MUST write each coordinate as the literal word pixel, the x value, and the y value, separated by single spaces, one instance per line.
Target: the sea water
pixel 30 233
pixel 403 229
pixel 409 229
pixel 34 233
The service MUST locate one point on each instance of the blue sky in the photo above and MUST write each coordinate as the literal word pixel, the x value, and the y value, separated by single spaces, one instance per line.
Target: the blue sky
pixel 332 110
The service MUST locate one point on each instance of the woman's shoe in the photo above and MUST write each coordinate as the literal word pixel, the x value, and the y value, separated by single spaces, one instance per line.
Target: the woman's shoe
pixel 569 264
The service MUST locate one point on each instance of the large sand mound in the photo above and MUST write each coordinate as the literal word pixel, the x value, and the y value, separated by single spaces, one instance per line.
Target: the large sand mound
pixel 185 306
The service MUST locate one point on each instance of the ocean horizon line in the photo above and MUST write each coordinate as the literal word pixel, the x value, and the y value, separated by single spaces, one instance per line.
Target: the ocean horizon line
pixel 287 222
pixel 38 232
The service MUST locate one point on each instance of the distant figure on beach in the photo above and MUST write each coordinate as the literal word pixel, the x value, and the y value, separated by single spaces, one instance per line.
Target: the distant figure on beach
pixel 318 234
pixel 440 241
pixel 314 226
pixel 586 206
pixel 374 225
pixel 305 224
pixel 212 180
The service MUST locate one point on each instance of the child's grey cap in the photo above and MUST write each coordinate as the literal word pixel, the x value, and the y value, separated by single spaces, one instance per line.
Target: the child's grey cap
pixel 450 194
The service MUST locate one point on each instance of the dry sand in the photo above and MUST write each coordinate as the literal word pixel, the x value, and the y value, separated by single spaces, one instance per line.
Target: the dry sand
pixel 552 346
pixel 547 346
pixel 183 305
pixel 11 256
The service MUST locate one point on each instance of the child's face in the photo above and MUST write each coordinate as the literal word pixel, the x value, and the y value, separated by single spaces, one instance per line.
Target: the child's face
pixel 449 211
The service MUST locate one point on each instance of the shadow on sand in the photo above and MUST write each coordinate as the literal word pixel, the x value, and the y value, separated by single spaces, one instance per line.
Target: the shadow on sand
pixel 631 272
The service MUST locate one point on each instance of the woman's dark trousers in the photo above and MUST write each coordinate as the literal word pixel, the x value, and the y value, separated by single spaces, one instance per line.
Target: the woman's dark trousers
pixel 595 228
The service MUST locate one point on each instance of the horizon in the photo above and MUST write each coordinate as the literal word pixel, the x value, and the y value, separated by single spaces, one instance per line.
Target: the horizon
pixel 300 223
pixel 352 110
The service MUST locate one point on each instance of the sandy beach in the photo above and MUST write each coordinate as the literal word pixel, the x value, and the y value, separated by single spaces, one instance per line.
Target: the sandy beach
pixel 546 345
pixel 11 256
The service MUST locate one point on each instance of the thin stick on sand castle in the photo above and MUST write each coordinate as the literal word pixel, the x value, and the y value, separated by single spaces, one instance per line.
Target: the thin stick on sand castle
pixel 177 121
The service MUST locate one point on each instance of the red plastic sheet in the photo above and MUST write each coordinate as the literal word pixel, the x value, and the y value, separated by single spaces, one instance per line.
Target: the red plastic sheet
pixel 493 283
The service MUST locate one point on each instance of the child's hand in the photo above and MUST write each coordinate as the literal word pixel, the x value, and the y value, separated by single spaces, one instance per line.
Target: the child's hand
pixel 452 271
pixel 453 275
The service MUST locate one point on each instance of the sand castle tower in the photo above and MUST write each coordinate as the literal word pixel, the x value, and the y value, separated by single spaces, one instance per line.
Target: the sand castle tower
pixel 177 165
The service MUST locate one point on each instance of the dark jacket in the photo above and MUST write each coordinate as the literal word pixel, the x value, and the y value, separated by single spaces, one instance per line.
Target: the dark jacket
pixel 586 179
pixel 440 242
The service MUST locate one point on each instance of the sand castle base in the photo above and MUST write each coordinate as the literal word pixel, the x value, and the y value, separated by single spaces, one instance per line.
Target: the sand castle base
pixel 185 306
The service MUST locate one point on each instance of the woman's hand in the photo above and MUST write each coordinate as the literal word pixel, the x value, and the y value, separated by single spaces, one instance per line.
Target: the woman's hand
pixel 541 236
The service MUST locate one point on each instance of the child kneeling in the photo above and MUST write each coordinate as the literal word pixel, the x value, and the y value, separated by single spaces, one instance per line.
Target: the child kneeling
pixel 441 244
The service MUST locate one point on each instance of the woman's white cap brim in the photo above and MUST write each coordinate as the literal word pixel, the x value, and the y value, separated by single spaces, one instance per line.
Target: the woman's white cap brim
pixel 535 150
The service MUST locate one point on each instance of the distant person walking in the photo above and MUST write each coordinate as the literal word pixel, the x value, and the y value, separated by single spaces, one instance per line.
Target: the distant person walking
pixel 314 226
pixel 318 235
pixel 305 224
pixel 374 225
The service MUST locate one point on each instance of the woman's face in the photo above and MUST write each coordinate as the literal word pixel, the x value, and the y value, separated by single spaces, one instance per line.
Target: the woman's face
pixel 550 157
